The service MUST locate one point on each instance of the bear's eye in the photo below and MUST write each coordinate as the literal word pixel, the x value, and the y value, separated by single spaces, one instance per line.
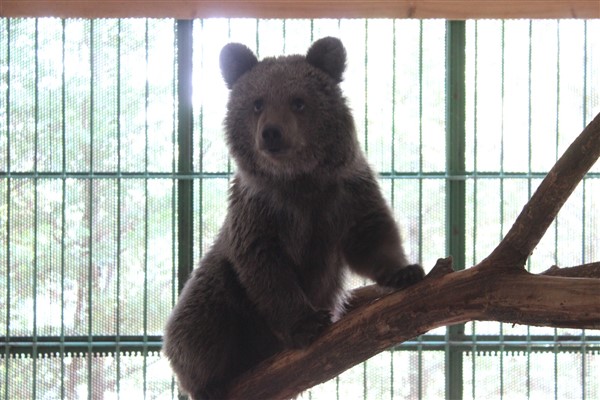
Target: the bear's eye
pixel 258 105
pixel 298 105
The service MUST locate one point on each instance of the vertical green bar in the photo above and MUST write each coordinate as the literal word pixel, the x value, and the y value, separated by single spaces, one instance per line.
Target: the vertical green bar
pixel 174 150
pixel 34 355
pixel 583 332
pixel 63 219
pixel 556 220
pixel 146 216
pixel 366 86
pixel 366 128
pixel 393 171
pixel 7 38
pixel 455 185
pixel 393 149
pixel 90 207
pixel 185 199
pixel 119 216
pixel 198 29
pixel 475 194
pixel 502 90
pixel 420 339
pixel 185 167
pixel 583 200
pixel 529 76
pixel 257 39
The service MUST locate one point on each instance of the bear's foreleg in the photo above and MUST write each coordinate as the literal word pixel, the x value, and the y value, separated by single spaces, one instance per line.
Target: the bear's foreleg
pixel 373 248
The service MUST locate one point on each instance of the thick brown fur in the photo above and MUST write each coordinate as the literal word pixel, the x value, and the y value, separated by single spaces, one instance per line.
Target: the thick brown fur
pixel 303 205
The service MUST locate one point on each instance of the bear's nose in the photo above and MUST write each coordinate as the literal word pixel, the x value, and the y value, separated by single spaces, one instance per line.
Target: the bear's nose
pixel 272 139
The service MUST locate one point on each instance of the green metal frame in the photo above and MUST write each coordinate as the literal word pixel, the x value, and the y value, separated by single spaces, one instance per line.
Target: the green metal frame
pixel 185 200
pixel 455 186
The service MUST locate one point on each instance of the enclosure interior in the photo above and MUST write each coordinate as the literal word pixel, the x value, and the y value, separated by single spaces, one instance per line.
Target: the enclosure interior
pixel 114 177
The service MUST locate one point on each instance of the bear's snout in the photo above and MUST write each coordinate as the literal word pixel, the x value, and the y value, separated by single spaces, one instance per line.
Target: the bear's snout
pixel 272 140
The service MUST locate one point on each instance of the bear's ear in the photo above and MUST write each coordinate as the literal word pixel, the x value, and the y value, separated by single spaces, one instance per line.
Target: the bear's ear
pixel 235 60
pixel 328 54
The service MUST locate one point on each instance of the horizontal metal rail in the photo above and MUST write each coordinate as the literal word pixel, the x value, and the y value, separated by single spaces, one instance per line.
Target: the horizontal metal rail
pixel 49 346
pixel 226 175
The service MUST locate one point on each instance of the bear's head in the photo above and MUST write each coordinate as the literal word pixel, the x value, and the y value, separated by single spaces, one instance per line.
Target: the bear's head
pixel 286 116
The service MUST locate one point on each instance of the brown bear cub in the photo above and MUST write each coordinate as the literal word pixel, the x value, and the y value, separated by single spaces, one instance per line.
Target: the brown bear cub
pixel 303 205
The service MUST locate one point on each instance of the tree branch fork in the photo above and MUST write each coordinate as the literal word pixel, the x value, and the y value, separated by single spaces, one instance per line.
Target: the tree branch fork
pixel 497 289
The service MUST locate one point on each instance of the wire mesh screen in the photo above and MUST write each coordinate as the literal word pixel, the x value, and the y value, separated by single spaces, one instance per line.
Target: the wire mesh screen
pixel 87 155
pixel 94 199
pixel 532 87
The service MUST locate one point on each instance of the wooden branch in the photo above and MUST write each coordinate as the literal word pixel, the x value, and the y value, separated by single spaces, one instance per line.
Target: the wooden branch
pixel 591 270
pixel 553 192
pixel 497 289
pixel 365 295
pixel 479 293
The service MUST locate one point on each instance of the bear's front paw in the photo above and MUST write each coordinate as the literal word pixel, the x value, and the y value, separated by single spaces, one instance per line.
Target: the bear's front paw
pixel 307 328
pixel 402 277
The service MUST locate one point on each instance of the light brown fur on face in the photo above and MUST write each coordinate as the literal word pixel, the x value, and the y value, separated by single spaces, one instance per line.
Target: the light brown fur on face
pixel 304 207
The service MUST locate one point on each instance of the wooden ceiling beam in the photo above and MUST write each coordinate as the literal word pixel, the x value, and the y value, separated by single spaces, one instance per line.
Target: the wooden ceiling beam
pixel 190 9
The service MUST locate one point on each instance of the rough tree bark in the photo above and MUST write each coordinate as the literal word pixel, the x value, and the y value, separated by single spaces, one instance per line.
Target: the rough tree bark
pixel 497 289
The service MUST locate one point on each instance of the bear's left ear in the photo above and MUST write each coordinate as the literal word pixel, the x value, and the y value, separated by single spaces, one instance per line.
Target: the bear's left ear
pixel 328 54
pixel 235 60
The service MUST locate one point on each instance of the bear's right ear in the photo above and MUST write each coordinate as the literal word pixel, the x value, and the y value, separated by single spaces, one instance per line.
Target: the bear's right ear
pixel 235 60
